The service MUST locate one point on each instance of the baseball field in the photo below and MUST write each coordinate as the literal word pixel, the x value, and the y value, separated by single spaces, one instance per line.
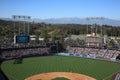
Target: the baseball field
pixel 100 70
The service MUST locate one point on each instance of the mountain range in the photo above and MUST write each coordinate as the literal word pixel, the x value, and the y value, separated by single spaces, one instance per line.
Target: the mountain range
pixel 75 20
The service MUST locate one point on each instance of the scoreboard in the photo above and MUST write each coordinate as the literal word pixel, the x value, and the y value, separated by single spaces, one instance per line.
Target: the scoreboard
pixel 22 39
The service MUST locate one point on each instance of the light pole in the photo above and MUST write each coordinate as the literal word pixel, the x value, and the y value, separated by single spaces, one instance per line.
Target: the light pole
pixel 87 23
pixel 20 31
pixel 24 19
pixel 29 25
pixel 101 18
pixel 95 18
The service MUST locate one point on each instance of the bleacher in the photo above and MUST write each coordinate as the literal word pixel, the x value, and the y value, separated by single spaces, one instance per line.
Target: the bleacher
pixel 93 52
pixel 117 76
pixel 9 54
pixel 109 53
pixel 99 53
pixel 86 51
pixel 116 54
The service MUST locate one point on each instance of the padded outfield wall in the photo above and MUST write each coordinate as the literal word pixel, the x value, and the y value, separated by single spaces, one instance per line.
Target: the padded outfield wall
pixel 85 56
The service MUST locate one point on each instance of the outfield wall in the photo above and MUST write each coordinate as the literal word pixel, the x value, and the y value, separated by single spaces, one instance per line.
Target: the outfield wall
pixel 85 56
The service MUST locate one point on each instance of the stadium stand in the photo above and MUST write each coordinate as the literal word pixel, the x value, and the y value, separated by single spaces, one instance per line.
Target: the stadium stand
pixel 86 51
pixel 116 54
pixel 117 76
pixel 2 75
pixel 99 53
pixel 9 54
pixel 93 52
pixel 109 54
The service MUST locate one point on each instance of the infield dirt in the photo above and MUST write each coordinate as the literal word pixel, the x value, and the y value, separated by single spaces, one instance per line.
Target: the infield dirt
pixel 53 75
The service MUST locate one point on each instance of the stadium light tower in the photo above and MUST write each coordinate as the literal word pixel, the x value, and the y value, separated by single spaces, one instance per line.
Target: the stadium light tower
pixel 24 20
pixel 87 24
pixel 21 30
pixel 97 19
pixel 93 26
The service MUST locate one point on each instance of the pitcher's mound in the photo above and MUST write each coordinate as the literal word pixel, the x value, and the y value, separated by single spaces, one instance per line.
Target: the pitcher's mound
pixel 53 75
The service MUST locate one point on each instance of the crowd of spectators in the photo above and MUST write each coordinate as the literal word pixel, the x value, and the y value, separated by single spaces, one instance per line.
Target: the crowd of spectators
pixel 100 53
pixel 25 52
pixel 31 50
pixel 7 46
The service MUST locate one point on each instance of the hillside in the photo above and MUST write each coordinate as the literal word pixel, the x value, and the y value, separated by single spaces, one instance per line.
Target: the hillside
pixel 56 31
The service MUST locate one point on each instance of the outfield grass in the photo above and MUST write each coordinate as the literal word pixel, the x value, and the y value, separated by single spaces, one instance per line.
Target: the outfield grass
pixel 100 70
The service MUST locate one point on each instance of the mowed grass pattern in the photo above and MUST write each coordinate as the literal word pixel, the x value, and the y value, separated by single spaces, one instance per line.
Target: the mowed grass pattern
pixel 100 70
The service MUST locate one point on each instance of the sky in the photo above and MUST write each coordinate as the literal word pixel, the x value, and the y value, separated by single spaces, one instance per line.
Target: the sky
pixel 44 9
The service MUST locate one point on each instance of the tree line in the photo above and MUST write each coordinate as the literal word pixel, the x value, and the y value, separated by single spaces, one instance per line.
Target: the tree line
pixel 55 31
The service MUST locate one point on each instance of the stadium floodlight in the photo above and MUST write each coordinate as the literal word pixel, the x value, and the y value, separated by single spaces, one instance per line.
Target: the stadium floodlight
pixel 18 17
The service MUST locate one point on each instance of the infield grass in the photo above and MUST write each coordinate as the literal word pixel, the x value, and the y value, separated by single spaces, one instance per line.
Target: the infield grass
pixel 100 70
